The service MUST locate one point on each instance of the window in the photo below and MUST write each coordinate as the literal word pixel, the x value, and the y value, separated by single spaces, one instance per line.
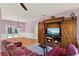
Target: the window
pixel 9 30
pixel 12 30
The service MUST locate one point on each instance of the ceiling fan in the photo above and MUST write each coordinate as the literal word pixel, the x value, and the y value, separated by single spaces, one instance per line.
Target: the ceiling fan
pixel 23 6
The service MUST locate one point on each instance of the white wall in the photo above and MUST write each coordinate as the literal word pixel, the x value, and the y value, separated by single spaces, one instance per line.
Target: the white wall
pixel 32 29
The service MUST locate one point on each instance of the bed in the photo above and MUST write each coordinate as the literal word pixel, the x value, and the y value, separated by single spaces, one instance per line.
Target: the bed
pixel 13 50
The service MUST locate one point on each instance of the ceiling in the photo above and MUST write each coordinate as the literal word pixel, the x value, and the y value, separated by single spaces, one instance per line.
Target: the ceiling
pixel 13 11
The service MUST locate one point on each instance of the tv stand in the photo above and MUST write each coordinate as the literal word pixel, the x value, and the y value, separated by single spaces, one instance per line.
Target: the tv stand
pixel 53 41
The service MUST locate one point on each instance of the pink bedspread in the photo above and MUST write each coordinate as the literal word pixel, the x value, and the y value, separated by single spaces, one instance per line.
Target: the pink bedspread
pixel 29 52
pixel 13 50
pixel 57 51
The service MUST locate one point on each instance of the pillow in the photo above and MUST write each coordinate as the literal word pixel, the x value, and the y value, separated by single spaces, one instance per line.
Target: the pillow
pixel 57 51
pixel 6 42
pixel 10 46
pixel 71 50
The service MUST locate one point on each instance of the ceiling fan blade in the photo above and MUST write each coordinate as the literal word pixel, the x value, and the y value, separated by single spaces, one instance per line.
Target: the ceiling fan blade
pixel 23 6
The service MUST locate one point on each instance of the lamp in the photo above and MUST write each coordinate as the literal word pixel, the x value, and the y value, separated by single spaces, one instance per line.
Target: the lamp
pixel 56 41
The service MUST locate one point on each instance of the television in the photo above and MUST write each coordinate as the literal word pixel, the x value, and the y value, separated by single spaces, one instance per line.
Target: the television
pixel 53 32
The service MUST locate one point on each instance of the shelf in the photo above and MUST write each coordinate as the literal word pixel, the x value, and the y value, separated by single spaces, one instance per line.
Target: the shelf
pixel 53 44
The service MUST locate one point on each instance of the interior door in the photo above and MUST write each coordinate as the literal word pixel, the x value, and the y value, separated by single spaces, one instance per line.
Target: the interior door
pixel 68 29
pixel 41 33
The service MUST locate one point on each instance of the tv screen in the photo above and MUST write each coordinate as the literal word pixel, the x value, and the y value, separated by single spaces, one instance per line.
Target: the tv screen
pixel 53 32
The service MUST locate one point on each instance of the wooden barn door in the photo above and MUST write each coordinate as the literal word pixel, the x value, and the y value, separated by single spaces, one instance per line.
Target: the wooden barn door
pixel 41 33
pixel 68 31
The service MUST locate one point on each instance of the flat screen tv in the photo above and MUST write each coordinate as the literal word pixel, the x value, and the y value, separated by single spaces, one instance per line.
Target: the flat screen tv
pixel 53 32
